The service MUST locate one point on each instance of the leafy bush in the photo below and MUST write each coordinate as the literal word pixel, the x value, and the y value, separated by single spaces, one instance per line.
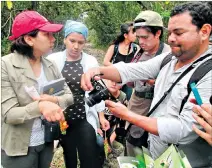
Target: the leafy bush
pixel 103 18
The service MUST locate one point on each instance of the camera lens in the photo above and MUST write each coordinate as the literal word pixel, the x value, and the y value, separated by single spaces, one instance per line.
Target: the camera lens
pixel 89 101
pixel 98 88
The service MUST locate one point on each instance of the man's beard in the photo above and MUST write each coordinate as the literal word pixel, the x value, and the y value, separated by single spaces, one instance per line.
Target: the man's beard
pixel 177 52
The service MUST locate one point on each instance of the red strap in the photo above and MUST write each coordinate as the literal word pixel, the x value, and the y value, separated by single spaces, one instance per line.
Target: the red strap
pixel 138 56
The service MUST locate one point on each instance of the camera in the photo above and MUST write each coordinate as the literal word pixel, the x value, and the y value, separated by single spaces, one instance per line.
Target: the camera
pixel 98 94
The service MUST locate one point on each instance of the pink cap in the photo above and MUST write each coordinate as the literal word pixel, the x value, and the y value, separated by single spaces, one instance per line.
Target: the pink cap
pixel 28 21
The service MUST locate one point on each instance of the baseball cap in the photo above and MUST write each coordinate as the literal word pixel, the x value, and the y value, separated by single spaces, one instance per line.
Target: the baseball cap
pixel 150 18
pixel 28 21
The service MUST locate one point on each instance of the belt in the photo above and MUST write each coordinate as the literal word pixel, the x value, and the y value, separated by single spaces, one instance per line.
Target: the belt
pixel 146 95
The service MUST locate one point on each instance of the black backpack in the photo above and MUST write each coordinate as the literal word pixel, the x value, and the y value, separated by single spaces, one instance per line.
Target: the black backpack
pixel 116 47
pixel 198 74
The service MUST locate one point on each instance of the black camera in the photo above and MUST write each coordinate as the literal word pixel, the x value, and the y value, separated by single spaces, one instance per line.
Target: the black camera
pixel 98 94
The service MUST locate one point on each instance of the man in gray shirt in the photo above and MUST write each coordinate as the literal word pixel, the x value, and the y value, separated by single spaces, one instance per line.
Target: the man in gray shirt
pixel 189 29
pixel 149 31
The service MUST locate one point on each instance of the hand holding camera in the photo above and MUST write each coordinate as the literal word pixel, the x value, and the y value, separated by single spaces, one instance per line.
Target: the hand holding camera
pixel 86 79
pixel 117 109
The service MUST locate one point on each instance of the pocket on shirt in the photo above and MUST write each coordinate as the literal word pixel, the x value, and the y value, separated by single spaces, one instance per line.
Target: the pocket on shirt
pixel 177 95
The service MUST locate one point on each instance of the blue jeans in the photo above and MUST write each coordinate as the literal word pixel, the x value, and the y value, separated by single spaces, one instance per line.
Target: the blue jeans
pixel 37 157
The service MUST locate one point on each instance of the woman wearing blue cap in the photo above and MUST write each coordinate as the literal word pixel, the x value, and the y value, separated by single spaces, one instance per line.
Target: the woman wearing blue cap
pixel 80 136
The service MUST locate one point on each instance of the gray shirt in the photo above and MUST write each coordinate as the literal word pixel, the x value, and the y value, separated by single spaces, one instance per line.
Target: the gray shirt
pixel 173 128
pixel 141 86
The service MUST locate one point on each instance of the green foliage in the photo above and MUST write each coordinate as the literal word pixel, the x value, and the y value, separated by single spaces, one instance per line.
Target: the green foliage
pixel 103 18
pixel 5 46
pixel 106 18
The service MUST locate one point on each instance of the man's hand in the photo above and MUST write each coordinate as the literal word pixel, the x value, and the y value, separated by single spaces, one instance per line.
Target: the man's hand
pixel 204 111
pixel 86 78
pixel 51 111
pixel 118 109
pixel 151 82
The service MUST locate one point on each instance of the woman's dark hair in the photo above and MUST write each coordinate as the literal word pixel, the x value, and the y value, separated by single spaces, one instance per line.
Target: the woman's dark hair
pixel 199 11
pixel 19 45
pixel 125 28
pixel 151 29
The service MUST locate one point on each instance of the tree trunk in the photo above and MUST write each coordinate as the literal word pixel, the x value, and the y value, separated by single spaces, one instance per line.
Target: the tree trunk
pixel 34 5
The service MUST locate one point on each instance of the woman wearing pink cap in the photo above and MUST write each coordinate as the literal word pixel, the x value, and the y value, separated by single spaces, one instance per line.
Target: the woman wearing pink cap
pixel 23 142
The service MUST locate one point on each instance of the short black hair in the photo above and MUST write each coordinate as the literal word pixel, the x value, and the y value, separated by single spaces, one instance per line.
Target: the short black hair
pixel 19 45
pixel 199 11
pixel 151 29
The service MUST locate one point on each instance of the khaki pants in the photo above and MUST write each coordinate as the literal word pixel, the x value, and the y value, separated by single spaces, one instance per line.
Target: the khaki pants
pixel 139 106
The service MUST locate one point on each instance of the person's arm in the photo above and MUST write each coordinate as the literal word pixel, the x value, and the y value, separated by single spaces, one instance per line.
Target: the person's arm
pixel 67 98
pixel 109 72
pixel 104 123
pixel 179 130
pixel 121 111
pixel 124 72
pixel 108 56
pixel 63 101
pixel 13 113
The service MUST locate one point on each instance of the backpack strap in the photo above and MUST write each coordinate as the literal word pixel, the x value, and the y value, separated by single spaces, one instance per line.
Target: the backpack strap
pixel 137 57
pixel 161 46
pixel 198 74
pixel 134 48
pixel 116 47
pixel 166 60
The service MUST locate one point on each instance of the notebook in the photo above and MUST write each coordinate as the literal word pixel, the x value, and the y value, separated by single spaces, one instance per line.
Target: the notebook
pixel 54 87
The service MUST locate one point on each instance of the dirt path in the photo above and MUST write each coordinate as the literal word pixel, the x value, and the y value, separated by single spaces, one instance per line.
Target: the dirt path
pixel 99 54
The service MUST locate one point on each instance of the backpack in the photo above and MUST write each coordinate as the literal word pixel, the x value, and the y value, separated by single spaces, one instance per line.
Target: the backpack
pixel 198 74
pixel 116 47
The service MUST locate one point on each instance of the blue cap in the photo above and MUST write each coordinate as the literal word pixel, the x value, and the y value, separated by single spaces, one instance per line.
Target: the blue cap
pixel 73 26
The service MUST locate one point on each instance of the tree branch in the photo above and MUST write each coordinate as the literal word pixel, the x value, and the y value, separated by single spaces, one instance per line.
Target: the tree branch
pixel 142 5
